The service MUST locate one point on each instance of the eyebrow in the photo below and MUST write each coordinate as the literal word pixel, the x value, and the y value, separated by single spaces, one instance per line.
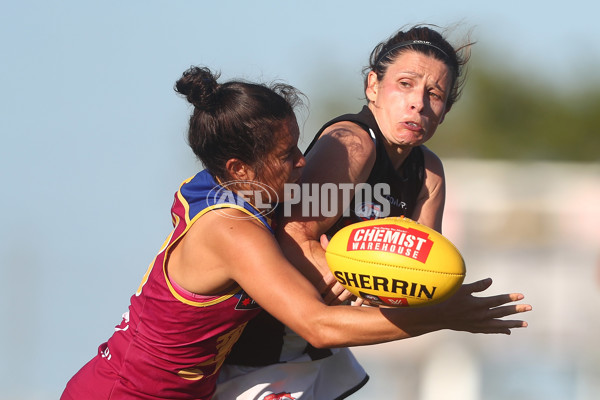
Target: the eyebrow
pixel 416 74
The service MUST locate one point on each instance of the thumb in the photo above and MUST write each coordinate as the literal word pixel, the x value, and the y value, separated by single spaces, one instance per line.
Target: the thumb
pixel 324 241
pixel 479 286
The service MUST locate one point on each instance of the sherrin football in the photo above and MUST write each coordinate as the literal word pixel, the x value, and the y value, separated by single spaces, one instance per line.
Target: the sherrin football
pixel 395 262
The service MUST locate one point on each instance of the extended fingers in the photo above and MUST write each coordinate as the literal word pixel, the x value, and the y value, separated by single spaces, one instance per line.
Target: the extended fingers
pixel 499 312
pixel 498 300
pixel 501 326
pixel 491 321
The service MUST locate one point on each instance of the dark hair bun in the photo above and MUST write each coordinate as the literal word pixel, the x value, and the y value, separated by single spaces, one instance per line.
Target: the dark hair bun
pixel 198 85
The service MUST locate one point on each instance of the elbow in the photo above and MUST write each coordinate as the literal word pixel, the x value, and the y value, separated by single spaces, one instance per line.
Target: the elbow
pixel 322 335
pixel 320 342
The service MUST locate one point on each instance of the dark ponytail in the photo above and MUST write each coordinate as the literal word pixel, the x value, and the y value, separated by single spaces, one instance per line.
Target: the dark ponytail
pixel 198 85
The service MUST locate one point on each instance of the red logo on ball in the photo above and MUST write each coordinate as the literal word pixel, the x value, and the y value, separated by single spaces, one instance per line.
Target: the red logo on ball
pixel 410 242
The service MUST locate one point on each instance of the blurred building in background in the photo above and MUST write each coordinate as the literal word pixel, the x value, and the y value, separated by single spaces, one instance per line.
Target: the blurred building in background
pixel 534 228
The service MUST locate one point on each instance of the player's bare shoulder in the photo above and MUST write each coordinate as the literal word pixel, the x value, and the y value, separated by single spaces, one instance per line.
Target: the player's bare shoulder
pixel 433 163
pixel 357 142
pixel 352 136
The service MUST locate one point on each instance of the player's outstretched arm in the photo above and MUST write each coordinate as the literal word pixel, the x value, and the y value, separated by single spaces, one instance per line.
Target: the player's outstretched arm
pixel 282 291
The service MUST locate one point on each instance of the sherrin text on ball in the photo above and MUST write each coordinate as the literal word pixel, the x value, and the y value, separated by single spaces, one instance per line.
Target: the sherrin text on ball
pixel 396 262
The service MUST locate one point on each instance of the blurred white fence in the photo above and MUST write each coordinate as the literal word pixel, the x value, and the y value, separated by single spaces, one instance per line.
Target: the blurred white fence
pixel 534 228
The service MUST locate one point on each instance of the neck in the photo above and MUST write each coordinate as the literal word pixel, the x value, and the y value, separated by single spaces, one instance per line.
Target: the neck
pixel 397 154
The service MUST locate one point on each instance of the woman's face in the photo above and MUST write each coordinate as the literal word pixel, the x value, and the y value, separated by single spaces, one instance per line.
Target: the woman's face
pixel 410 101
pixel 284 164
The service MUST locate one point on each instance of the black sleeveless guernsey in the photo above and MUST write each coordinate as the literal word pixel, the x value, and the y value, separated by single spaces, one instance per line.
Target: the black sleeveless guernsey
pixel 262 340
pixel 404 183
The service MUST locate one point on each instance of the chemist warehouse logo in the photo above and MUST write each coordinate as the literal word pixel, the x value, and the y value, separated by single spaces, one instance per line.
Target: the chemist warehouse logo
pixel 409 242
pixel 311 200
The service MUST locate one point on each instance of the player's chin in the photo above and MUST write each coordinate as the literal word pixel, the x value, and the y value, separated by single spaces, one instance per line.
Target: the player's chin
pixel 411 140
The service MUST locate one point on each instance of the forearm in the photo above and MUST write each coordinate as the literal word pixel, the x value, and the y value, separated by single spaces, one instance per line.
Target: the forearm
pixel 346 326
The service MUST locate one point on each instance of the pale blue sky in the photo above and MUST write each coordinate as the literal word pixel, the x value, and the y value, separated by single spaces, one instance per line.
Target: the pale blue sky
pixel 93 136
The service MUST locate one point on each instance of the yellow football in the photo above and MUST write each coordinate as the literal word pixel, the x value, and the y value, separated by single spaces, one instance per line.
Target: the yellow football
pixel 395 262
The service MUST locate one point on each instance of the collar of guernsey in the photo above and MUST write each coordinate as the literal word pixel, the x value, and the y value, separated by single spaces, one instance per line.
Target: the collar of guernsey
pixel 202 193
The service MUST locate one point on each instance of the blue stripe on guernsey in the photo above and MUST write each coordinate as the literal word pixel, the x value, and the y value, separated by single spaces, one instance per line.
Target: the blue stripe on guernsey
pixel 203 191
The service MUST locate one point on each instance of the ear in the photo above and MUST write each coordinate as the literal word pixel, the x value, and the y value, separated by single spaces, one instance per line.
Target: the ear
pixel 239 170
pixel 372 86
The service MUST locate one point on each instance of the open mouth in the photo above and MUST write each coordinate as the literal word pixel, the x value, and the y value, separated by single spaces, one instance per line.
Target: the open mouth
pixel 412 126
